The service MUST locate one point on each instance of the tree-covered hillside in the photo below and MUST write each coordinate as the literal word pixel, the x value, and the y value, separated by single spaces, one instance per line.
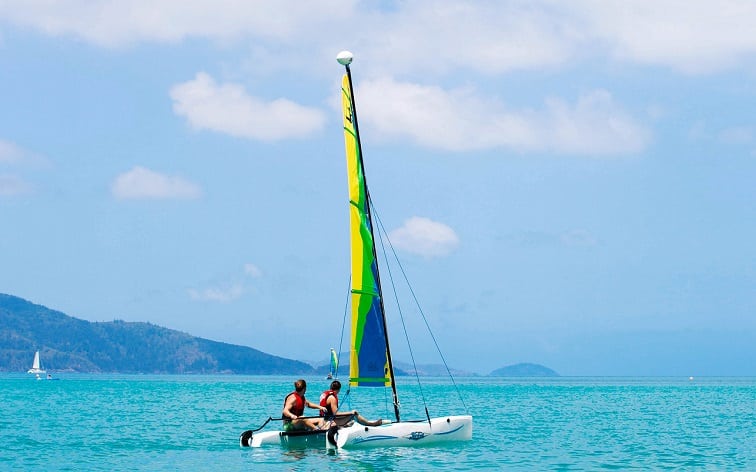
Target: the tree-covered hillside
pixel 69 344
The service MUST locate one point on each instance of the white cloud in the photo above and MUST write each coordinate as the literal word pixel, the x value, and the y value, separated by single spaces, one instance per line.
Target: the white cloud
pixel 252 270
pixel 460 120
pixel 494 37
pixel 14 155
pixel 424 237
pixel 453 120
pixel 141 183
pixel 485 36
pixel 594 125
pixel 216 294
pixel 737 135
pixel 11 185
pixel 491 37
pixel 113 24
pixel 695 38
pixel 10 153
pixel 227 108
pixel 228 290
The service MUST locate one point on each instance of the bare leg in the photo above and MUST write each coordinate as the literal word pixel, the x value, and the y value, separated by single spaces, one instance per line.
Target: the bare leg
pixel 313 423
pixel 310 423
pixel 350 417
pixel 361 420
pixel 343 420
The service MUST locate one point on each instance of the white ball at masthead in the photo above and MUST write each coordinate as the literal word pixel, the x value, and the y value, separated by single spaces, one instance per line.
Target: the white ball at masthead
pixel 345 58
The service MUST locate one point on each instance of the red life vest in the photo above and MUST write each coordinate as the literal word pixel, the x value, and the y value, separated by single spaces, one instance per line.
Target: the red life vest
pixel 299 405
pixel 324 402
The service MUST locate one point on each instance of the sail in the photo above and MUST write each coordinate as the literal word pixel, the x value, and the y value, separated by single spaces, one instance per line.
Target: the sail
pixel 334 362
pixel 36 366
pixel 368 360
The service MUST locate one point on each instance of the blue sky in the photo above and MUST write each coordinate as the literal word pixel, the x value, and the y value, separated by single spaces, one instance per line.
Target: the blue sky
pixel 568 183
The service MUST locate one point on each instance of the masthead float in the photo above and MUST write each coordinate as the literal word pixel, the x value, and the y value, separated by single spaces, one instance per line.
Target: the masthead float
pixel 344 58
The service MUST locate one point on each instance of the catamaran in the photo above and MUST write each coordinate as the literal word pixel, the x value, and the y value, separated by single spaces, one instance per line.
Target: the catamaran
pixel 332 373
pixel 370 363
pixel 36 368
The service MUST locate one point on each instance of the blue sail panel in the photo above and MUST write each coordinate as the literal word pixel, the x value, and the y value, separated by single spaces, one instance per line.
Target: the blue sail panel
pixel 368 364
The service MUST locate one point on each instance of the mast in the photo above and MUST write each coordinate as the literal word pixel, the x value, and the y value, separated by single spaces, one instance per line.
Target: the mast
pixel 345 58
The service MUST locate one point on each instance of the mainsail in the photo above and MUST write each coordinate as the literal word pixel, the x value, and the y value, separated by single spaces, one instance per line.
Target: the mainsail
pixel 334 363
pixel 370 358
pixel 36 366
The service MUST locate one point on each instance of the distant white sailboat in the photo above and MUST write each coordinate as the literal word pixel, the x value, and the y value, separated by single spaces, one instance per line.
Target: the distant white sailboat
pixel 36 368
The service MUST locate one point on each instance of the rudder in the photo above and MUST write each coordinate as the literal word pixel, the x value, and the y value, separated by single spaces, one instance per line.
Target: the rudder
pixel 245 440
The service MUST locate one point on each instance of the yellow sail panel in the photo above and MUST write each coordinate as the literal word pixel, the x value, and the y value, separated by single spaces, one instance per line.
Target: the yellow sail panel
pixel 368 359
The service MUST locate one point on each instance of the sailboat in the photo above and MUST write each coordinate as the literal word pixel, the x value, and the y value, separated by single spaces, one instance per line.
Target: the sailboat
pixel 370 363
pixel 35 368
pixel 334 365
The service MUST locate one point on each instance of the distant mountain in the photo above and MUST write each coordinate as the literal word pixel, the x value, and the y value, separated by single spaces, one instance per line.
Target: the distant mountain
pixel 524 370
pixel 70 344
pixel 400 369
pixel 431 370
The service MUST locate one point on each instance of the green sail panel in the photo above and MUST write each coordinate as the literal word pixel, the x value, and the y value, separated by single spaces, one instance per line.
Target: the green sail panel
pixel 334 362
pixel 368 359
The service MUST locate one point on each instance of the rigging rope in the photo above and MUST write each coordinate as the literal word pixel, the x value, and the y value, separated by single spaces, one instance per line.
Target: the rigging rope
pixel 346 399
pixel 343 324
pixel 381 232
pixel 417 303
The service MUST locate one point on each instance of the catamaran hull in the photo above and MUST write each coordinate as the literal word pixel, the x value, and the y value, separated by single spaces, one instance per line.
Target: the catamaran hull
pixel 413 434
pixel 440 430
pixel 291 439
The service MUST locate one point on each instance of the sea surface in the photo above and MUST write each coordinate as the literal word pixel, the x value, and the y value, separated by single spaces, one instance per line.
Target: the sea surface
pixel 155 423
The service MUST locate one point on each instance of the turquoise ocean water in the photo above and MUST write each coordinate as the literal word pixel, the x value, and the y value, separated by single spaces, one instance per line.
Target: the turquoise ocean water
pixel 140 422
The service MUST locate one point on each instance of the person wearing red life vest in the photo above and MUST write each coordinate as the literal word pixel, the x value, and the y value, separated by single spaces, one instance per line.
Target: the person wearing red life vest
pixel 294 406
pixel 330 401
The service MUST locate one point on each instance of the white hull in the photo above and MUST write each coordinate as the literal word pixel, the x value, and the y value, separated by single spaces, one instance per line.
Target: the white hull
pixel 282 438
pixel 440 430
